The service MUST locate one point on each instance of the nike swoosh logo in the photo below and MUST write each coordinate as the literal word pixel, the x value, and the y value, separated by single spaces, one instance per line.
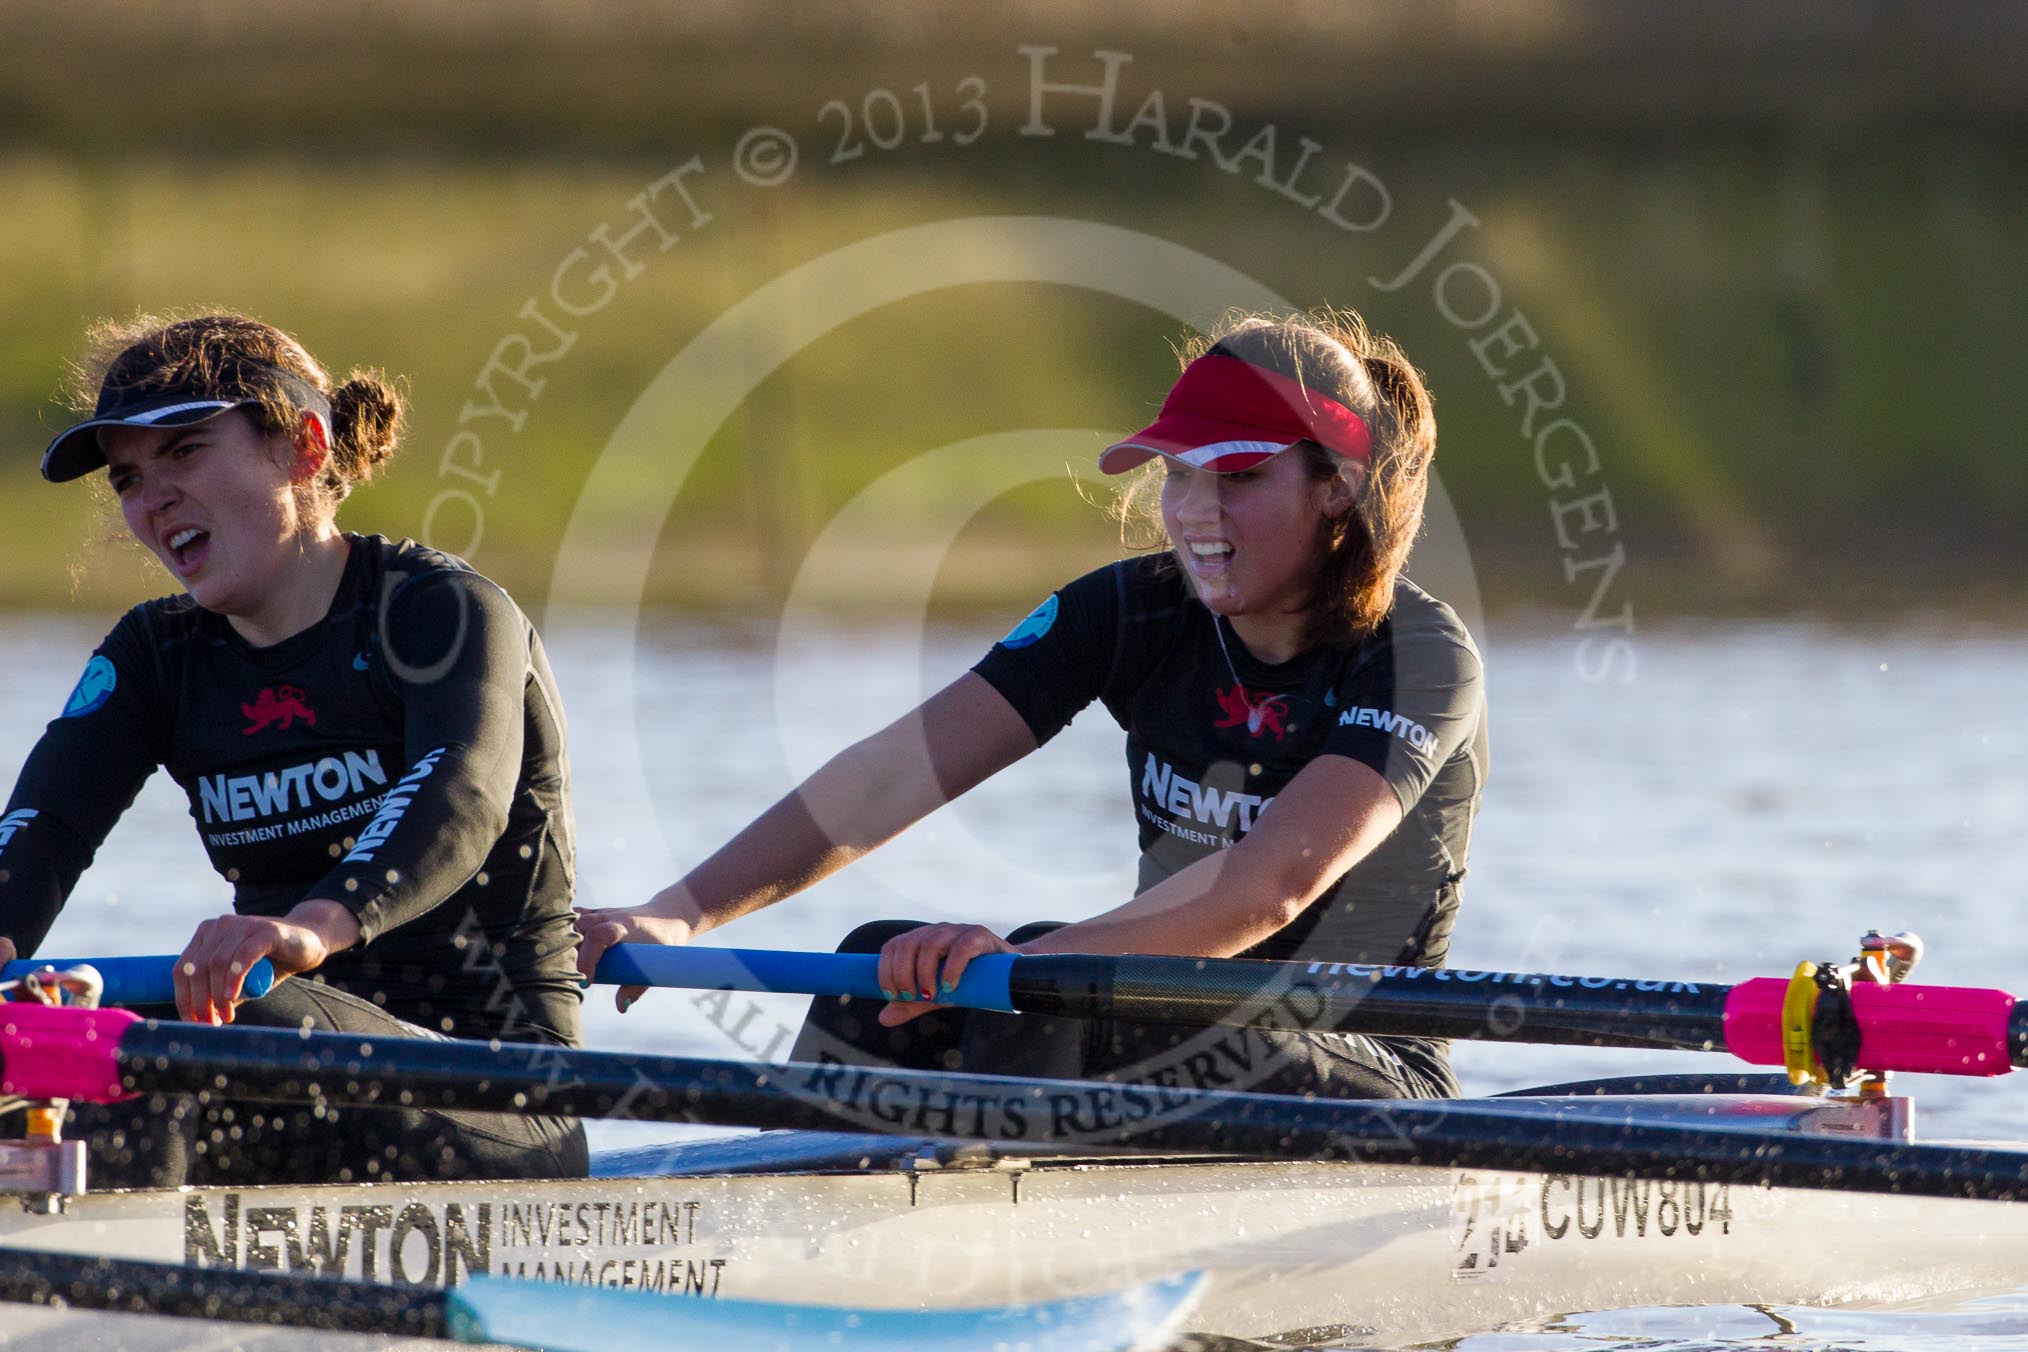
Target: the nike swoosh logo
pixel 359 662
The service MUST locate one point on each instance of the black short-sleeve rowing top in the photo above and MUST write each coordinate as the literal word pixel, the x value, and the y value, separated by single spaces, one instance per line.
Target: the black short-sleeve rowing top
pixel 403 756
pixel 1212 739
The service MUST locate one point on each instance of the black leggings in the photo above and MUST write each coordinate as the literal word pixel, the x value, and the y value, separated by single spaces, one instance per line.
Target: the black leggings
pixel 163 1141
pixel 1177 1056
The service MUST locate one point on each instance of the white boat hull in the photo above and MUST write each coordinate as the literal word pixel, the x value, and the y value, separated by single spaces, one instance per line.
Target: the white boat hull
pixel 1349 1252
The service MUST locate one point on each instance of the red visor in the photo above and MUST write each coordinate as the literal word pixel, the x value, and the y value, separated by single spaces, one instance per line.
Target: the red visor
pixel 1225 414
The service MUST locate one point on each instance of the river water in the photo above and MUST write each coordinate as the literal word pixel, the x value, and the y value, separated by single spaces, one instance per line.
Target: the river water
pixel 1756 794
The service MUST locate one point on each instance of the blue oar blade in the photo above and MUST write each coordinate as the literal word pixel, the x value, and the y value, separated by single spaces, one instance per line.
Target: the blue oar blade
pixel 598 1319
pixel 137 981
pixel 983 986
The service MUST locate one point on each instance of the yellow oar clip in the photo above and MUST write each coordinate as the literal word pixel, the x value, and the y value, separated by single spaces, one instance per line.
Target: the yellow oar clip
pixel 1799 1012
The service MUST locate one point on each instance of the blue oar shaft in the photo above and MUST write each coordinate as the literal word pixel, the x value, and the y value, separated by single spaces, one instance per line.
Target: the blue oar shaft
pixel 983 986
pixel 136 980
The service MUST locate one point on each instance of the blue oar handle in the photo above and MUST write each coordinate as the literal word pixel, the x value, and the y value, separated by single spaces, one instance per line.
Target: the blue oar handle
pixel 138 981
pixel 983 986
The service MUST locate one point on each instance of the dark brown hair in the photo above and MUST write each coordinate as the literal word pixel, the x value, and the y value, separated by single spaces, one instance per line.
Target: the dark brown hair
pixel 239 357
pixel 1333 352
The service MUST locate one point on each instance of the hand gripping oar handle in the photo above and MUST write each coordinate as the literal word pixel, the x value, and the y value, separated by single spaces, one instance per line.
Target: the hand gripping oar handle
pixel 138 981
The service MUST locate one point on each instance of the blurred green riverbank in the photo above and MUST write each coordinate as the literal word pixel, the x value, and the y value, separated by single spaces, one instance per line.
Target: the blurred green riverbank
pixel 1792 336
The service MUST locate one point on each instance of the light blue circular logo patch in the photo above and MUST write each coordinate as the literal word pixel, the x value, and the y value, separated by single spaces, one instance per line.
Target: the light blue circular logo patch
pixel 1034 627
pixel 94 688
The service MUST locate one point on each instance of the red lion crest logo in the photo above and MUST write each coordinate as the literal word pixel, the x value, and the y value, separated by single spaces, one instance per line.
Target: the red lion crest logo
pixel 278 707
pixel 1258 714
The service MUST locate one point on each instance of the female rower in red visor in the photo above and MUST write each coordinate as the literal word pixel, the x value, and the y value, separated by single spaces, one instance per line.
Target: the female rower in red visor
pixel 1306 739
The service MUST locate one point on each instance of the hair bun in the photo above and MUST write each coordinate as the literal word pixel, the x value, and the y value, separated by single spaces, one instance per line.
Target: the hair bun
pixel 368 414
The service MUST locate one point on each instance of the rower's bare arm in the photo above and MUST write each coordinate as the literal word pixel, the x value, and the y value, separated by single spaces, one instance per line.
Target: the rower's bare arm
pixel 1330 816
pixel 861 798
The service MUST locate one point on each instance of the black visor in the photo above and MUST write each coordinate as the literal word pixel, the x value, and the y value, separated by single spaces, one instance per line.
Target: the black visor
pixel 76 451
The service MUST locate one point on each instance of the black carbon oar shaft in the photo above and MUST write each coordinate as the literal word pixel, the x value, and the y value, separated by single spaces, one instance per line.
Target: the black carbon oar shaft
pixel 127 1286
pixel 1822 1021
pixel 2017 1036
pixel 345 1070
pixel 1408 1001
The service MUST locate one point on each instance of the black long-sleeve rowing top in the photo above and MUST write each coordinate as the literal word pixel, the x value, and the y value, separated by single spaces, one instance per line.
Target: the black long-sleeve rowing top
pixel 1213 734
pixel 404 757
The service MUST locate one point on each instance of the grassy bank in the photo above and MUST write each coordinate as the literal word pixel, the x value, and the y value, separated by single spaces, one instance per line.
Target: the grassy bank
pixel 1794 356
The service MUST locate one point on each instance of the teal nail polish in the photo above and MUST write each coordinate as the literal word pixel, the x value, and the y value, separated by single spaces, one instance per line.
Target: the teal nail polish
pixel 908 996
pixel 887 994
pixel 949 985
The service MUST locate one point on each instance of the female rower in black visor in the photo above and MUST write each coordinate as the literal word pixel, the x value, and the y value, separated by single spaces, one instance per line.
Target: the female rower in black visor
pixel 368 735
pixel 1306 739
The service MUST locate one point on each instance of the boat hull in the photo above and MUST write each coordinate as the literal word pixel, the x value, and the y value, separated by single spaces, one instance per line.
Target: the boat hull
pixel 1341 1252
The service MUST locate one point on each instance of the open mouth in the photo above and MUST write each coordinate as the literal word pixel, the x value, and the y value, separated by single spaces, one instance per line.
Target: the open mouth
pixel 187 547
pixel 1209 556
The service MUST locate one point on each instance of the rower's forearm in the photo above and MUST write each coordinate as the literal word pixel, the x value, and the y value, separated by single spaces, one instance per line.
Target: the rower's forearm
pixel 777 856
pixel 334 924
pixel 841 812
pixel 1211 909
pixel 1181 936
pixel 1322 825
